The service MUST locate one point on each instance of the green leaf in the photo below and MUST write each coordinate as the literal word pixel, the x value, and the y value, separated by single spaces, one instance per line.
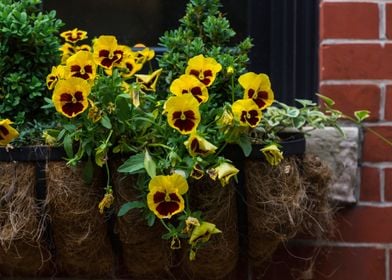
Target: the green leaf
pixel 68 146
pixel 150 165
pixel 292 112
pixel 326 99
pixel 245 144
pixel 361 115
pixel 105 121
pixel 88 171
pixel 123 108
pixel 129 206
pixel 150 219
pixel 133 165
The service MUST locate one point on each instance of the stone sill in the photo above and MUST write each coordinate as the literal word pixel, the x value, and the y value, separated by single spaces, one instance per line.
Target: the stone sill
pixel 342 154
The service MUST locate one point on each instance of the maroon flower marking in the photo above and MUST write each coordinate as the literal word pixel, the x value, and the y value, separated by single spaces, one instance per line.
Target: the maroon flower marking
pixel 259 97
pixel 164 207
pixel 72 103
pixel 4 132
pixel 195 147
pixel 106 61
pixel 250 117
pixel 76 70
pixel 196 92
pixel 186 124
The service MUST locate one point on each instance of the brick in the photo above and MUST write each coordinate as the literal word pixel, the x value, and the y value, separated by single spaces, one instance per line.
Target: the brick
pixel 374 148
pixel 389 20
pixel 349 20
pixel 370 184
pixel 364 224
pixel 388 104
pixel 337 263
pixel 388 184
pixel 355 61
pixel 350 98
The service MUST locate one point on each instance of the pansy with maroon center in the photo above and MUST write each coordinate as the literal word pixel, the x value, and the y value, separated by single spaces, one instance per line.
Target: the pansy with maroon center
pixel 57 74
pixel 183 113
pixel 70 96
pixel 199 146
pixel 74 35
pixel 7 132
pixel 129 65
pixel 67 50
pixel 107 51
pixel 189 84
pixel 81 65
pixel 165 195
pixel 246 112
pixel 258 88
pixel 203 68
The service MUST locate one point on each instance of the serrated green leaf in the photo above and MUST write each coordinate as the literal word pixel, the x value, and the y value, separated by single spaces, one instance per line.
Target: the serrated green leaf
pixel 129 206
pixel 133 165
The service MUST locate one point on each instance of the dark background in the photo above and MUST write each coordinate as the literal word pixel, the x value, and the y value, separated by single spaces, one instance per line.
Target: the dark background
pixel 285 32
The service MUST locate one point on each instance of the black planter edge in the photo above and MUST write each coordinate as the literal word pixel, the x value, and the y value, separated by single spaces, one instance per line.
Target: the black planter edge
pixel 32 153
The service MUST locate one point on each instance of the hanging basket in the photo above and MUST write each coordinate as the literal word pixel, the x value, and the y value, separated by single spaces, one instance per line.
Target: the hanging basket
pixel 144 254
pixel 285 200
pixel 52 225
pixel 79 231
pixel 218 258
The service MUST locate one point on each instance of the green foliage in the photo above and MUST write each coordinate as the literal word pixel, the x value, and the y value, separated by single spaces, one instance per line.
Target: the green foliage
pixel 28 49
pixel 204 30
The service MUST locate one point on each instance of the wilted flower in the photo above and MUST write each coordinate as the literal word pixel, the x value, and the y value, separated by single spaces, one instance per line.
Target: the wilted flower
pixel 199 146
pixel 106 201
pixel 272 153
pixel 223 172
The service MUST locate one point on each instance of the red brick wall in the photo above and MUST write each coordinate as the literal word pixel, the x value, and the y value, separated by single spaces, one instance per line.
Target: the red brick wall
pixel 356 71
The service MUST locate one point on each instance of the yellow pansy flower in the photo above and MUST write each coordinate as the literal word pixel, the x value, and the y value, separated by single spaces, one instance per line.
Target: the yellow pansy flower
pixel 258 88
pixel 203 68
pixel 74 35
pixel 272 154
pixel 183 113
pixel 189 84
pixel 107 51
pixel 67 50
pixel 199 146
pixel 58 73
pixel 165 195
pixel 81 65
pixel 70 96
pixel 7 132
pixel 246 112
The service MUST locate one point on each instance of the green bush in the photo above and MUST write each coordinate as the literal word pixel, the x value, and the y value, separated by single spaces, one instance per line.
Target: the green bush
pixel 29 46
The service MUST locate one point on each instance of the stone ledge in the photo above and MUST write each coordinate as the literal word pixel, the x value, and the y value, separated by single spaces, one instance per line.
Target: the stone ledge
pixel 342 156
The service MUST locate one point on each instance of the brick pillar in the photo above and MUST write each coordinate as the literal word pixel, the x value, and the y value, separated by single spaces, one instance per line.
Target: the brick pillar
pixel 356 71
